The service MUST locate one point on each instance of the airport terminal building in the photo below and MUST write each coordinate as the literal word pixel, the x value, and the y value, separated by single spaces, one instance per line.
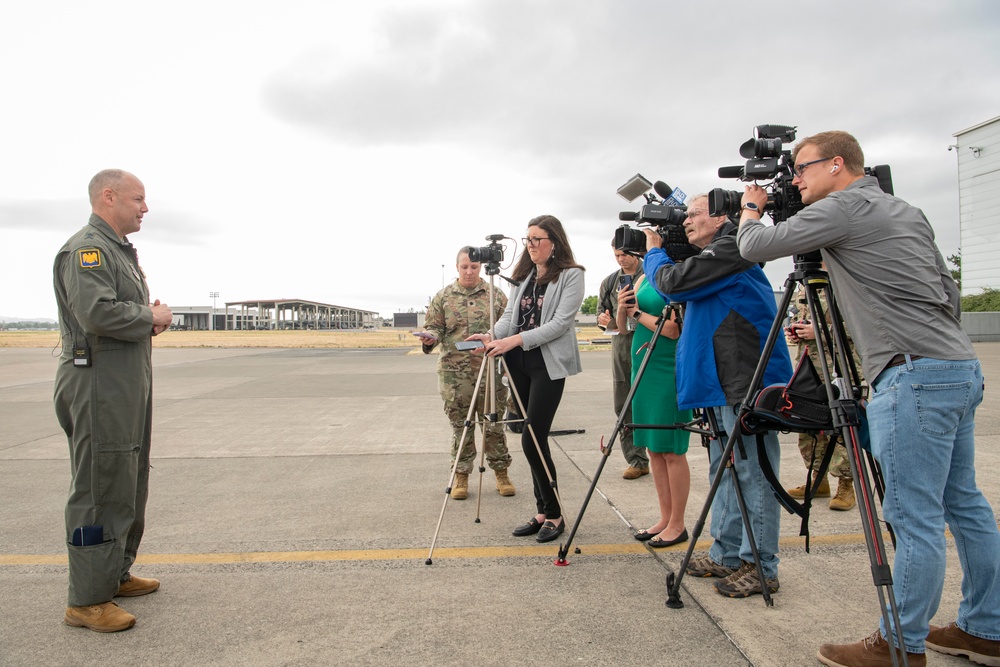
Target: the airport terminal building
pixel 269 314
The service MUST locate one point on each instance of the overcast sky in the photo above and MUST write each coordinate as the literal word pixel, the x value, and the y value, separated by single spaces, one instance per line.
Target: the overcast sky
pixel 343 151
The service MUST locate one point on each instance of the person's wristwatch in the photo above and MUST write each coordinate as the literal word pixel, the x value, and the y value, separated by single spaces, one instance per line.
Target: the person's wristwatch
pixel 750 206
pixel 634 317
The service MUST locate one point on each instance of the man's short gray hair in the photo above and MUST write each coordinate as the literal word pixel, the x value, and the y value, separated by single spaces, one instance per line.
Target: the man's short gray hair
pixel 108 178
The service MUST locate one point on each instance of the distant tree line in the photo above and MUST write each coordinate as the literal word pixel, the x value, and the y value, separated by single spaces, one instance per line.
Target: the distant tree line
pixel 29 325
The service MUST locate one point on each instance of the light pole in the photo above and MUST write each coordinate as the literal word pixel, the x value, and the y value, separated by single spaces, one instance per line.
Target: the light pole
pixel 214 296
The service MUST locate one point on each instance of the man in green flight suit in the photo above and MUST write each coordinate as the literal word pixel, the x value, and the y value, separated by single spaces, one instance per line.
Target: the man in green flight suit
pixel 456 312
pixel 103 400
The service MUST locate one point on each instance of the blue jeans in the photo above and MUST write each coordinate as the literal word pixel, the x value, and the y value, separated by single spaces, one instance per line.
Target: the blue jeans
pixel 731 544
pixel 922 418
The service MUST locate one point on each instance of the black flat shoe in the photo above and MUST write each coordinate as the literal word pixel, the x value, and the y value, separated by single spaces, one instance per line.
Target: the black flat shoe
pixel 550 531
pixel 644 535
pixel 529 528
pixel 657 543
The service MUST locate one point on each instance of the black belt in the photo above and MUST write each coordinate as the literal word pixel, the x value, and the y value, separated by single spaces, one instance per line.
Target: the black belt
pixel 900 359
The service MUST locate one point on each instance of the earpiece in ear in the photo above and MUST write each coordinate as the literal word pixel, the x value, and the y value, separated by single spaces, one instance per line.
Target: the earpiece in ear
pixel 835 168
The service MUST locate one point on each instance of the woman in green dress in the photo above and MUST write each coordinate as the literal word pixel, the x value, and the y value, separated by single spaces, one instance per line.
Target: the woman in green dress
pixel 655 402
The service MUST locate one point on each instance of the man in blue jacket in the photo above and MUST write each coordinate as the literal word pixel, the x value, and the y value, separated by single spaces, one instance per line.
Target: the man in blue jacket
pixel 729 312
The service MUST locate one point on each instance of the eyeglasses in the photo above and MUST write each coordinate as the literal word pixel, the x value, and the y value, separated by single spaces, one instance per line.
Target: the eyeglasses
pixel 533 241
pixel 801 167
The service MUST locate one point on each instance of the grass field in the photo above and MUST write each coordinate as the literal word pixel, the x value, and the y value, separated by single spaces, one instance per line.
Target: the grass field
pixel 326 339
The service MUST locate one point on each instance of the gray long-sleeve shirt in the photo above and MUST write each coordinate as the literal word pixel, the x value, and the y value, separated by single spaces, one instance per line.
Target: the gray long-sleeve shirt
pixel 892 285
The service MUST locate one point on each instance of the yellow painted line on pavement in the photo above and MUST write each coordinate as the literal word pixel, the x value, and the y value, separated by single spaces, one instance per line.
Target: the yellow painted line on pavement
pixel 549 550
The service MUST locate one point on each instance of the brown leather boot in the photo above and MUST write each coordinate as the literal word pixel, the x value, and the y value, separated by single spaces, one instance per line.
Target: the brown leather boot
pixel 632 472
pixel 844 500
pixel 872 651
pixel 106 617
pixel 822 492
pixel 460 489
pixel 134 586
pixel 955 641
pixel 504 485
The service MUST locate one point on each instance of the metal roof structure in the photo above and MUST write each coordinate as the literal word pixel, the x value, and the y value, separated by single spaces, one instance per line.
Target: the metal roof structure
pixel 295 314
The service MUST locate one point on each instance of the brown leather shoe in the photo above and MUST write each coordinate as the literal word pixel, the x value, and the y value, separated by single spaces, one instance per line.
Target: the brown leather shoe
pixel 107 617
pixel 136 586
pixel 953 640
pixel 872 651
pixel 632 472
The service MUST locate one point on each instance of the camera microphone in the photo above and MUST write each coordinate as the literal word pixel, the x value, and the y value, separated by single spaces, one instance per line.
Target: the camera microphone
pixel 663 190
pixel 731 172
pixel 628 215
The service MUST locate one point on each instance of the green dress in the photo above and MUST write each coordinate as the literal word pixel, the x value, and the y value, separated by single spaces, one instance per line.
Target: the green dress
pixel 655 400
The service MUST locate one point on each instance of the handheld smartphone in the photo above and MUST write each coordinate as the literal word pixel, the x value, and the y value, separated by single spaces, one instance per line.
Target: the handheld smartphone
pixel 625 282
pixel 469 344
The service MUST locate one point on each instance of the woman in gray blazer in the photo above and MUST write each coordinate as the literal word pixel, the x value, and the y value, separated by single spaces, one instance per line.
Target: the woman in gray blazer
pixel 537 337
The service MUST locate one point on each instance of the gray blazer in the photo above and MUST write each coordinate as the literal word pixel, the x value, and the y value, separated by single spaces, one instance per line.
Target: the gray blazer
pixel 556 334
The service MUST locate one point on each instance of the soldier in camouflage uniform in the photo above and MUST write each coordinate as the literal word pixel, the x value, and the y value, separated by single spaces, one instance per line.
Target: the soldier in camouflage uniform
pixel 801 334
pixel 456 312
pixel 103 400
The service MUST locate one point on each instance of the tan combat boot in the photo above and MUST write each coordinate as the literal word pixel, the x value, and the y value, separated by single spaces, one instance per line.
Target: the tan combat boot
pixel 460 489
pixel 822 492
pixel 504 485
pixel 844 500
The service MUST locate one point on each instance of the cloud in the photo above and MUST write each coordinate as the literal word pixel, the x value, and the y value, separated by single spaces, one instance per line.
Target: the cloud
pixel 548 81
pixel 65 216
pixel 41 215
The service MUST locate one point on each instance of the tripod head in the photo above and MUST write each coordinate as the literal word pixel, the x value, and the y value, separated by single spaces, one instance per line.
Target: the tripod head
pixel 491 255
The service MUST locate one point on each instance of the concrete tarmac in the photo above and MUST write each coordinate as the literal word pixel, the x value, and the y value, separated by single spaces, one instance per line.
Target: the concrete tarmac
pixel 294 497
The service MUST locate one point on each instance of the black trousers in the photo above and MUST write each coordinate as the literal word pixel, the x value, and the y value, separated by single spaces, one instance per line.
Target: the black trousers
pixel 540 396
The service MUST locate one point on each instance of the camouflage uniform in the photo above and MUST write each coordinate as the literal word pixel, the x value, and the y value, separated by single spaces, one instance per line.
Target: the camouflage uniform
pixel 455 313
pixel 813 446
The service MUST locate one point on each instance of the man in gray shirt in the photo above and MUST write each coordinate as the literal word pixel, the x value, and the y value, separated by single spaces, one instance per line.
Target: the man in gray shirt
pixel 901 306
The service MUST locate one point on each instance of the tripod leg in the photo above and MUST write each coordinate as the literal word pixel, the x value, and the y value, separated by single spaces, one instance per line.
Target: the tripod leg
pixel 619 426
pixel 836 335
pixel 881 571
pixel 531 431
pixel 454 466
pixel 674 582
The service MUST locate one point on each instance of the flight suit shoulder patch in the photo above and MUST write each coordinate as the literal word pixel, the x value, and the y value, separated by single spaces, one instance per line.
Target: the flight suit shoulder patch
pixel 90 258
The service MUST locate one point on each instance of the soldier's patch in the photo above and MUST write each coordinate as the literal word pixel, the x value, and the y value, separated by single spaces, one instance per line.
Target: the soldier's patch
pixel 90 258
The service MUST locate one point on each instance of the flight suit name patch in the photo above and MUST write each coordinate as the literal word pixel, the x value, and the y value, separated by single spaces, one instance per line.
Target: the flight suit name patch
pixel 90 258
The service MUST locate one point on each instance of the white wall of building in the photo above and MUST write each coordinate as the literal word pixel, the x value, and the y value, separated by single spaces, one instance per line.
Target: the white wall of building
pixel 979 205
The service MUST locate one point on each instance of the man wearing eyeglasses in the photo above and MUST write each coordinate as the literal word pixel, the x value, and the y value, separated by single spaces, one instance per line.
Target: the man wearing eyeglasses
pixel 728 314
pixel 901 307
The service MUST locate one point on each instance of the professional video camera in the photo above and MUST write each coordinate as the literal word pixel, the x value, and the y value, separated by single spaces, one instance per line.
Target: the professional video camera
pixel 491 255
pixel 766 159
pixel 664 211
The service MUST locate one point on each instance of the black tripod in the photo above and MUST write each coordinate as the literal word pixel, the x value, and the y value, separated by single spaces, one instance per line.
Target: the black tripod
pixel 704 426
pixel 488 362
pixel 843 393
